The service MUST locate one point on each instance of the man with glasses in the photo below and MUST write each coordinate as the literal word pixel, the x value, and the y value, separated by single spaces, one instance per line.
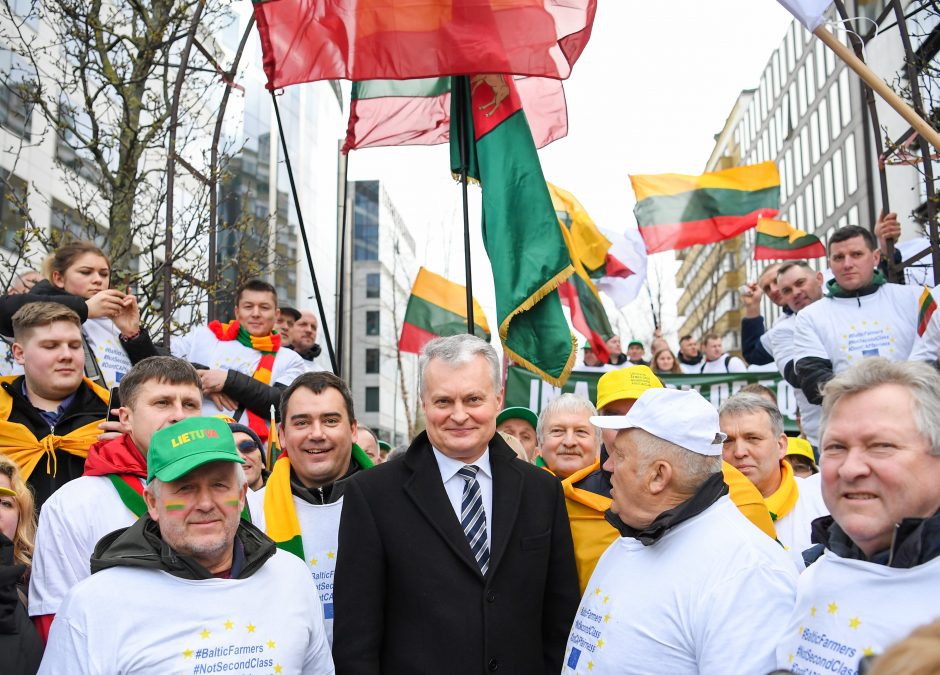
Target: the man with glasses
pixel 251 450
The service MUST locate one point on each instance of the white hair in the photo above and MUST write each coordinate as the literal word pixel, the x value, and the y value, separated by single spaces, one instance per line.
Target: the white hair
pixel 566 403
pixel 692 469
pixel 154 486
pixel 459 350
pixel 920 379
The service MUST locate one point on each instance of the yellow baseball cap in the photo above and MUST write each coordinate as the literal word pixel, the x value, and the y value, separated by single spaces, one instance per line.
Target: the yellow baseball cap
pixel 625 383
pixel 801 447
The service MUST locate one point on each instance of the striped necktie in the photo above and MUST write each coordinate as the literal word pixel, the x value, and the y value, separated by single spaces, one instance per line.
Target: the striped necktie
pixel 473 516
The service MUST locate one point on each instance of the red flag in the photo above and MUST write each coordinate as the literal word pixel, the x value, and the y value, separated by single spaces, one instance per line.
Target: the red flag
pixel 309 40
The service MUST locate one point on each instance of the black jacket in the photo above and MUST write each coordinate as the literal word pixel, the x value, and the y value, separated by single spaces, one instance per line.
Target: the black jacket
pixel 409 596
pixel 140 545
pixel 252 394
pixel 915 542
pixel 137 348
pixel 20 645
pixel 752 328
pixel 85 408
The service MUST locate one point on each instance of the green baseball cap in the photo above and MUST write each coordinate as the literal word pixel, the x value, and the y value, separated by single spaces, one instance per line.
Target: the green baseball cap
pixel 187 445
pixel 517 413
pixel 384 445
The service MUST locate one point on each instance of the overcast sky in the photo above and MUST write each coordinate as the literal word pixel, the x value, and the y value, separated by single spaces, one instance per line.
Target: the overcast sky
pixel 653 87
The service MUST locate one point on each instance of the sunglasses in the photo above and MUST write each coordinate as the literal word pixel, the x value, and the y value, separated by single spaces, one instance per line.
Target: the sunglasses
pixel 247 447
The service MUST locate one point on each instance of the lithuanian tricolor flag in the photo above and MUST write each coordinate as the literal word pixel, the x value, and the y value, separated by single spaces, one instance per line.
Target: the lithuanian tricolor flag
pixel 778 240
pixel 588 249
pixel 438 307
pixel 927 306
pixel 417 112
pixel 676 211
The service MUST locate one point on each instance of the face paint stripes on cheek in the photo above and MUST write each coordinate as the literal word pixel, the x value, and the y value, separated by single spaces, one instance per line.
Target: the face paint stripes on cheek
pixel 175 506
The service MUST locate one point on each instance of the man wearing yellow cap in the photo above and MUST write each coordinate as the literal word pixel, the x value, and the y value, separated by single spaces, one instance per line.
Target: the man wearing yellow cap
pixel 587 492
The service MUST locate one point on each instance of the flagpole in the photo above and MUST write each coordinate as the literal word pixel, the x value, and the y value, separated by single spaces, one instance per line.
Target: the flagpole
pixel 878 86
pixel 303 234
pixel 461 102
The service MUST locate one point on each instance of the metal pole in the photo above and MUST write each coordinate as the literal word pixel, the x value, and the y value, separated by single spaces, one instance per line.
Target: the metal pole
pixel 921 141
pixel 212 313
pixel 303 234
pixel 341 281
pixel 461 86
pixel 171 170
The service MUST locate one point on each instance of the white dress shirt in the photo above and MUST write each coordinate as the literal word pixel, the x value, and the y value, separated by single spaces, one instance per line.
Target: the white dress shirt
pixel 454 484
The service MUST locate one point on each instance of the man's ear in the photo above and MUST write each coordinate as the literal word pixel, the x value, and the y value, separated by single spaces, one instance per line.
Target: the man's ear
pixel 17 350
pixel 355 431
pixel 782 447
pixel 151 501
pixel 659 476
pixel 877 256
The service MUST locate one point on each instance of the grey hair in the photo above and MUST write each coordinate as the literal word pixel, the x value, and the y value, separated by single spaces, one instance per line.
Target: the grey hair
pixel 745 403
pixel 154 486
pixel 458 350
pixel 693 469
pixel 566 403
pixel 919 378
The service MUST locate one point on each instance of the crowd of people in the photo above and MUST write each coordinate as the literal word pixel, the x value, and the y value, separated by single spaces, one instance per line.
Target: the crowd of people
pixel 219 508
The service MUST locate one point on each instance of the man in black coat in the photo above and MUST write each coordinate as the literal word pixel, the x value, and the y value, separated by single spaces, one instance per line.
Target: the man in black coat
pixel 421 589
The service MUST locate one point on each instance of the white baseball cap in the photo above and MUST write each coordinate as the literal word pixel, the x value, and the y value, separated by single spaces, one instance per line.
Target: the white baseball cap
pixel 684 418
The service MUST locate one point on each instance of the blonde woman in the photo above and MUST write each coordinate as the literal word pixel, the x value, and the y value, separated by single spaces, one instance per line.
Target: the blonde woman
pixel 20 645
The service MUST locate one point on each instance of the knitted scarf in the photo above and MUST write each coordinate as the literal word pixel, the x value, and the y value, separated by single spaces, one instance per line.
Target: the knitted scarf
pixel 781 502
pixel 20 445
pixel 267 345
pixel 280 514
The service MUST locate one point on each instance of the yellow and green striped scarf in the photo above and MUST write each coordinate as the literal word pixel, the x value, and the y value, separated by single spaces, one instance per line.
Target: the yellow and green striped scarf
pixel 280 514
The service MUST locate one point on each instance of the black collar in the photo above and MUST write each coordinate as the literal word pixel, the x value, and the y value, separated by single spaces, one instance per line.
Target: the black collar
pixel 709 493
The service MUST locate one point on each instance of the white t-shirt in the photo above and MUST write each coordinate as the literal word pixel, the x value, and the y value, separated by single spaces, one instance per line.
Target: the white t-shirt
pixel 846 330
pixel 794 530
pixel 783 338
pixel 104 339
pixel 691 369
pixel 847 609
pixel 926 345
pixel 319 530
pixel 676 606
pixel 134 620
pixel 71 523
pixel 202 346
pixel 734 365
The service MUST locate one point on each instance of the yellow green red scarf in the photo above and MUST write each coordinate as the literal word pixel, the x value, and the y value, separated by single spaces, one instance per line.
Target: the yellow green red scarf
pixel 267 345
pixel 781 502
pixel 280 515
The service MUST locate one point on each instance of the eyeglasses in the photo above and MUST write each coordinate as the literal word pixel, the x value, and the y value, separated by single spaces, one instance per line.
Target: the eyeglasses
pixel 247 447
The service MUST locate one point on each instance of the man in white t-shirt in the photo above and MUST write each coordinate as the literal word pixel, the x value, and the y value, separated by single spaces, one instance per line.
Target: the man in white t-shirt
pixel 876 580
pixel 717 360
pixel 861 316
pixel 318 433
pixel 155 393
pixel 689 569
pixel 799 286
pixel 756 446
pixel 241 363
pixel 191 586
pixel 303 340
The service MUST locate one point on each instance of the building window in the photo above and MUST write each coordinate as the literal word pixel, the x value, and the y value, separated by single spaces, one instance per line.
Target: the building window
pixel 372 322
pixel 851 170
pixel 373 284
pixel 13 214
pixel 372 361
pixel 15 113
pixel 366 221
pixel 372 399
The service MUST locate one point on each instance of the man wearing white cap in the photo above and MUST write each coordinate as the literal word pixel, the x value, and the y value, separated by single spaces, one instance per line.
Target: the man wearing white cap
pixel 688 571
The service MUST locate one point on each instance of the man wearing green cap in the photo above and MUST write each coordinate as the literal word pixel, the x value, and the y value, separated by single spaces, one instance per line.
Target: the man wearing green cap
pixel 520 422
pixel 191 586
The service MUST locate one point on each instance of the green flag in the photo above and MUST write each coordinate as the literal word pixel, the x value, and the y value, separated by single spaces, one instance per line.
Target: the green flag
pixel 527 252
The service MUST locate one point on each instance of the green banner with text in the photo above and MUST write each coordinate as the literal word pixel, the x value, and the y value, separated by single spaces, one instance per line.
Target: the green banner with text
pixel 527 389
